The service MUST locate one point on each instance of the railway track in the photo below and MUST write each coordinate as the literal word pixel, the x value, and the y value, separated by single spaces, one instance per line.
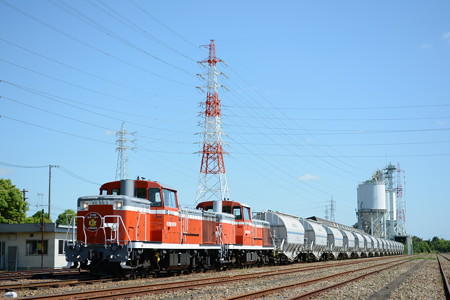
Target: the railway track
pixel 319 291
pixel 17 275
pixel 84 278
pixel 445 271
pixel 53 284
pixel 131 291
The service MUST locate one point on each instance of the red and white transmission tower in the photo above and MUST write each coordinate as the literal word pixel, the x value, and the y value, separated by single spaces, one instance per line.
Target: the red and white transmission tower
pixel 212 183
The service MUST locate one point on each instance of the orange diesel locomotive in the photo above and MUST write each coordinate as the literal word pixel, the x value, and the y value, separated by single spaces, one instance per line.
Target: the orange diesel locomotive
pixel 138 225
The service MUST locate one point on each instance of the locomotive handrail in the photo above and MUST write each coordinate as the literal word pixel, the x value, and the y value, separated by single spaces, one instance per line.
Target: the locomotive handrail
pixel 119 218
pixel 145 225
pixel 71 229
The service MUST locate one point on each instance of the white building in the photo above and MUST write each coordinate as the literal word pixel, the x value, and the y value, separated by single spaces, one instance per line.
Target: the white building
pixel 21 246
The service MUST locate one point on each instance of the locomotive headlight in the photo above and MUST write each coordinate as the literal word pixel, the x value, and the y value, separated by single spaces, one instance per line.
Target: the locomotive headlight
pixel 118 204
pixel 84 205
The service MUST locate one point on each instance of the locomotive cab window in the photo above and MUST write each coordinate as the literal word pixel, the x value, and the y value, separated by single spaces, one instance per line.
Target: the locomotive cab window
pixel 237 212
pixel 226 209
pixel 141 193
pixel 169 198
pixel 104 192
pixel 246 213
pixel 115 192
pixel 155 197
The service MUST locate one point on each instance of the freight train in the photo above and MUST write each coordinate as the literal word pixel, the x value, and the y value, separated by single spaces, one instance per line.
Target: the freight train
pixel 138 227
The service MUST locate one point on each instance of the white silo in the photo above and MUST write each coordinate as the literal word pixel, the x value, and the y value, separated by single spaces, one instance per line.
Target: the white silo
pixel 372 207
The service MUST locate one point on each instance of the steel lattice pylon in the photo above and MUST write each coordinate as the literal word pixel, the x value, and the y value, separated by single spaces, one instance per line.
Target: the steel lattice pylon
pixel 122 147
pixel 212 183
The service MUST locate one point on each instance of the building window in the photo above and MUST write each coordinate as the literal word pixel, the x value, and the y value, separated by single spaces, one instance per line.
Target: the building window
pixel 35 247
pixel 60 246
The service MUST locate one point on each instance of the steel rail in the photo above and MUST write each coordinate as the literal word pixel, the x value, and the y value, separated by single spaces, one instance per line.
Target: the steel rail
pixel 83 281
pixel 308 282
pixel 4 276
pixel 54 283
pixel 121 292
pixel 444 277
pixel 444 256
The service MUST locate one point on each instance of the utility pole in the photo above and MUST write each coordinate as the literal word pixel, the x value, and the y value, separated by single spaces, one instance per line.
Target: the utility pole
pixel 42 239
pixel 24 191
pixel 50 189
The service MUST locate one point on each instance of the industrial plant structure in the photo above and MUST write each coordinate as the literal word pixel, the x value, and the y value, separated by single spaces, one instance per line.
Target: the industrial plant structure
pixel 381 208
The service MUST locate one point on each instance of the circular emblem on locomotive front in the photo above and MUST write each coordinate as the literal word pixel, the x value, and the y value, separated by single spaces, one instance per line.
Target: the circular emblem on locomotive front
pixel 93 221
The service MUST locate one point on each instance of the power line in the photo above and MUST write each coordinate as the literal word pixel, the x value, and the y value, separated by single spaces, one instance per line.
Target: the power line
pixel 345 145
pixel 55 130
pixel 70 173
pixel 84 18
pixel 55 114
pixel 266 118
pixel 128 23
pixel 73 84
pixel 162 24
pixel 358 132
pixel 86 138
pixel 343 119
pixel 84 72
pixel 22 166
pixel 340 156
pixel 90 46
pixel 95 112
pixel 340 108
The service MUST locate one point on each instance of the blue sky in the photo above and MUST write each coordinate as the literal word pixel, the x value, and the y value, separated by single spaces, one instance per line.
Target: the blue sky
pixel 318 97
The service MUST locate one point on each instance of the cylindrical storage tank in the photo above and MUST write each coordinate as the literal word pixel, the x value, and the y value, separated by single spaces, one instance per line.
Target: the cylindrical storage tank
pixel 371 195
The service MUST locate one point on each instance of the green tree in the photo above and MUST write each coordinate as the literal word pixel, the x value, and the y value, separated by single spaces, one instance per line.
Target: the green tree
pixel 12 206
pixel 440 245
pixel 37 218
pixel 420 246
pixel 65 217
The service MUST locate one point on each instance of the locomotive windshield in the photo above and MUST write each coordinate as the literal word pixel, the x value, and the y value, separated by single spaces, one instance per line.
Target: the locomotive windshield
pixel 169 198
